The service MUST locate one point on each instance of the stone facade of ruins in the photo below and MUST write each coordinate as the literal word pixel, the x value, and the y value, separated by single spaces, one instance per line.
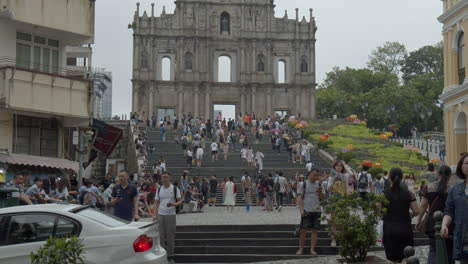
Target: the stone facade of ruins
pixel 192 40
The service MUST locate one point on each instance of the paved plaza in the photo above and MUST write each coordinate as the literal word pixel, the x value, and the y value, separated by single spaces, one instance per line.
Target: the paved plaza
pixel 256 216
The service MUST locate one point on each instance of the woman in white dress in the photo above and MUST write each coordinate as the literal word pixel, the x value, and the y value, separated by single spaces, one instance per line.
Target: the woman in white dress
pixel 230 196
pixel 250 157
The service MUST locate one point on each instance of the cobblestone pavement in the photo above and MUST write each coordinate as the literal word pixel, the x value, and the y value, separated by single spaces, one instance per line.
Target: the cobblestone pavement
pixel 256 216
pixel 421 253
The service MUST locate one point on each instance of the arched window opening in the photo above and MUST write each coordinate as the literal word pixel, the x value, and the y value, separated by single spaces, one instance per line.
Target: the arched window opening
pixel 225 23
pixel 282 71
pixel 166 69
pixel 261 63
pixel 461 58
pixel 304 64
pixel 460 133
pixel 188 61
pixel 224 69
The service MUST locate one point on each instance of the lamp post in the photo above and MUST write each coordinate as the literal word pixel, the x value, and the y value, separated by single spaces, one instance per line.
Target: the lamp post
pixel 390 109
pixel 339 103
pixel 364 106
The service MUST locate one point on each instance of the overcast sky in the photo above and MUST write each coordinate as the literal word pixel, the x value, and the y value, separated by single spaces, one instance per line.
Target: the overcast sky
pixel 348 30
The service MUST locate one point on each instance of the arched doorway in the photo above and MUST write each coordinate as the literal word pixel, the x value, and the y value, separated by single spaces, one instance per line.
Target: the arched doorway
pixel 460 133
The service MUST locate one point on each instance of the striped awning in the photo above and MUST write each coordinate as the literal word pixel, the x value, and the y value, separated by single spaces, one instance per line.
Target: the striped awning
pixel 29 160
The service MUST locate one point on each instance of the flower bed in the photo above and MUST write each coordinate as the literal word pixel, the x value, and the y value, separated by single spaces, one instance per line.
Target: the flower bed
pixel 354 142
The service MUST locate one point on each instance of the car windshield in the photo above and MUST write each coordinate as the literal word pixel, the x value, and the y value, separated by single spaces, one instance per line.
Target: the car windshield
pixel 102 218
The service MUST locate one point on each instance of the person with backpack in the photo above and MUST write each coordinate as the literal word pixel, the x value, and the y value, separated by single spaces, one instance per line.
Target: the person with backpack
pixel 167 199
pixel 365 182
pixel 309 195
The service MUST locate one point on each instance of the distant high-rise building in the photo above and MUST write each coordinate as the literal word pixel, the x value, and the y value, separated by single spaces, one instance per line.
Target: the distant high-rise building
pixel 102 94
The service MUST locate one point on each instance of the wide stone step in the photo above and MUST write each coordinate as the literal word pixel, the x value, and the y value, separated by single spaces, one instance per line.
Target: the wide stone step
pixel 233 258
pixel 251 249
pixel 289 234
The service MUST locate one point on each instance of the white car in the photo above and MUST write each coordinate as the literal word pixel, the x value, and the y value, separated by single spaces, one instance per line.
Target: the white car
pixel 106 239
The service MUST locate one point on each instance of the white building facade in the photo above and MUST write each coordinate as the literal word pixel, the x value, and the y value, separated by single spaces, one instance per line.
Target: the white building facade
pixel 41 98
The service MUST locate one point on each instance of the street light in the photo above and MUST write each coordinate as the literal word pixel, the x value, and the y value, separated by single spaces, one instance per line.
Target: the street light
pixel 364 106
pixel 339 103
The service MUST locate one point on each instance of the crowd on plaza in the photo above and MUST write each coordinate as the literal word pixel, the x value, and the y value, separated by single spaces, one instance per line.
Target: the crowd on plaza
pixel 159 195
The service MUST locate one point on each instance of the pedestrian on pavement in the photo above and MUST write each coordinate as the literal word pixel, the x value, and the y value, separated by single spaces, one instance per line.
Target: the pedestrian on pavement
pixel 365 182
pixel 213 191
pixel 199 156
pixel 456 211
pixel 310 192
pixel 433 201
pixel 281 191
pixel 269 185
pixel 18 182
pixel 214 151
pixel 166 201
pixel 429 173
pixel 162 132
pixel 125 198
pixel 259 156
pixel 397 227
pixel 231 191
pixel 248 199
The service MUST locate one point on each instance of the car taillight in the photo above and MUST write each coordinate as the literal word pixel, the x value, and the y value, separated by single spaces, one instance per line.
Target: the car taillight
pixel 143 243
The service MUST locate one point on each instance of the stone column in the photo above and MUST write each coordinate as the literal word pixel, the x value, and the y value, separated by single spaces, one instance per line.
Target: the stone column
pixel 207 103
pixel 180 104
pixel 242 100
pixel 268 108
pixel 195 110
pixel 298 101
pixel 254 91
pixel 312 104
pixel 150 102
pixel 135 97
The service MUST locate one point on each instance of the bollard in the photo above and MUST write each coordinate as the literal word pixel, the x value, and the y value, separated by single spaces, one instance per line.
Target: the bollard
pixel 441 250
pixel 409 254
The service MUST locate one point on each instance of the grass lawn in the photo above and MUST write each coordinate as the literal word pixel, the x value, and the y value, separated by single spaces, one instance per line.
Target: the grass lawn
pixel 367 145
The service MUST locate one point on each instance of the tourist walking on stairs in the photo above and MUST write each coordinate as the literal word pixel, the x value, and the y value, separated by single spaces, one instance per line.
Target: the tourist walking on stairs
pixel 230 196
pixel 397 227
pixel 310 192
pixel 456 211
pixel 167 199
pixel 433 201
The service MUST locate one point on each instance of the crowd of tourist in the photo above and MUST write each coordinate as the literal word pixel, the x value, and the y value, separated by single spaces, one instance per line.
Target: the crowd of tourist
pixel 158 195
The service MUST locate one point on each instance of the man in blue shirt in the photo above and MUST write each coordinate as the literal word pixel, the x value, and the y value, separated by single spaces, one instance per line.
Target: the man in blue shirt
pixel 125 198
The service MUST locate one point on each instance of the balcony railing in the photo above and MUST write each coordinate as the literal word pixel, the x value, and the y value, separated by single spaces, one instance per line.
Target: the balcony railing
pixel 9 62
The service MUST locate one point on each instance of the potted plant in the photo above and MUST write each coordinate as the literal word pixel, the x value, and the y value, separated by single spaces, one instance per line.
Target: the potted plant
pixel 66 250
pixel 355 222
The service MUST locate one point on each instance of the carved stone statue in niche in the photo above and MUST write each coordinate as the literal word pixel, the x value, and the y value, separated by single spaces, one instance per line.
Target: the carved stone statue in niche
pixel 225 23
pixel 304 65
pixel 188 61
pixel 144 59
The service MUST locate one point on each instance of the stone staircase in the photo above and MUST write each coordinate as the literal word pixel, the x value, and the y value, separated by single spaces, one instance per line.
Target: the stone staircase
pixel 233 166
pixel 238 243
pixel 249 243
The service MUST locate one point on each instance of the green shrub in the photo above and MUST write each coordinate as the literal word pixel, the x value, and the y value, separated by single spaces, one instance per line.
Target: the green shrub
pixel 355 221
pixel 67 250
pixel 324 144
pixel 398 144
pixel 346 156
pixel 375 171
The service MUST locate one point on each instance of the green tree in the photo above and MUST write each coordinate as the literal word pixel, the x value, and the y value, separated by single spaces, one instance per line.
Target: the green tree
pixel 427 60
pixel 388 58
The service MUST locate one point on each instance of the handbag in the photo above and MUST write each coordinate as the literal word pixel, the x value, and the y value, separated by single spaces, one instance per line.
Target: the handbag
pixel 423 225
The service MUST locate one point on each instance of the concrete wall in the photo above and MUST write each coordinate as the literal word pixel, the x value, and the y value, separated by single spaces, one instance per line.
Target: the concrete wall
pixel 7 39
pixel 6 131
pixel 45 93
pixel 75 16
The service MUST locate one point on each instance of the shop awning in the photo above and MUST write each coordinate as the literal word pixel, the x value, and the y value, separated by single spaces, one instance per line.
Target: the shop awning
pixel 29 160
